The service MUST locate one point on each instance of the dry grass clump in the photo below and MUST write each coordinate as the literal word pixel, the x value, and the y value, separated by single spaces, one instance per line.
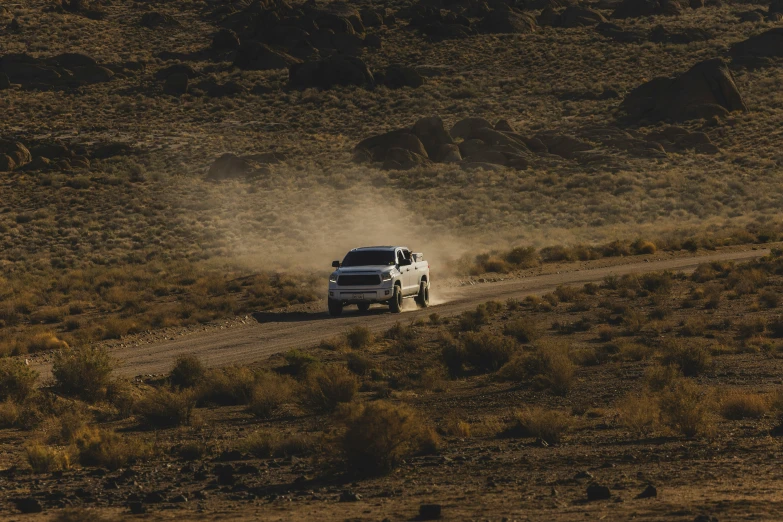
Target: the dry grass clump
pixel 517 258
pixel 83 372
pixel 379 435
pixel 188 372
pixel 270 393
pixel 47 459
pixel 657 377
pixel 737 405
pixel 549 367
pixel 17 380
pixel 327 387
pixel 104 448
pixel 163 408
pixel 691 358
pixel 43 342
pixel 487 352
pixel 639 413
pixel 269 443
pixel 298 363
pixel 359 337
pixel 542 423
pixel 227 386
pixel 685 409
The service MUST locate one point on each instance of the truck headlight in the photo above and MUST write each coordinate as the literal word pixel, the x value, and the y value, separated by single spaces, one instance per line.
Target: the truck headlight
pixel 333 277
pixel 386 276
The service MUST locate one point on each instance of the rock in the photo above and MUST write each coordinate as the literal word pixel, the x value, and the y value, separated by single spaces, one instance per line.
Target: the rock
pixel 759 50
pixel 496 139
pixel 371 17
pixel 349 496
pixel 71 60
pixel 137 508
pixel 331 72
pixel 618 34
pixel 488 156
pixel 7 164
pixel 751 16
pixel 154 497
pixel 90 74
pixel 179 499
pixel 449 153
pixel 649 492
pixel 642 8
pixel 229 166
pixel 504 126
pixel 563 146
pixel 584 474
pixel 432 134
pixel 506 21
pixel 255 56
pixel 466 128
pixel 692 34
pixel 17 152
pixel 438 31
pixel 706 90
pixel 28 505
pixel 548 17
pixel 176 84
pixel 430 511
pixel 5 83
pixel 378 146
pixel 178 68
pixel 153 20
pixel 576 16
pixel 225 40
pixel 471 165
pixel 402 159
pixel 398 76
pixel 598 492
pixel 373 41
pixel 472 146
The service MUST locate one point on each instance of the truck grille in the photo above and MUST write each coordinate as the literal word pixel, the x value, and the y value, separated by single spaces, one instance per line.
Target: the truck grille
pixel 359 280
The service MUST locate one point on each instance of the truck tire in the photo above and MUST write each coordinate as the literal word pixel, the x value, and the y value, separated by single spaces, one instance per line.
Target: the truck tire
pixel 395 305
pixel 363 307
pixel 335 308
pixel 423 299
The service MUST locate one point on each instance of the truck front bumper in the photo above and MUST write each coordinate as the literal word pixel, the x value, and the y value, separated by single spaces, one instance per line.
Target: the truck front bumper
pixel 359 295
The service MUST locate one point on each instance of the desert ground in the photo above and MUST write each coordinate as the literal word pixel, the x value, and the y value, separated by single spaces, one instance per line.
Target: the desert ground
pixel 597 186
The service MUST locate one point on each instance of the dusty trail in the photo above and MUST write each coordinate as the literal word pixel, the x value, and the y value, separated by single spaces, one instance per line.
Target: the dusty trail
pixel 278 332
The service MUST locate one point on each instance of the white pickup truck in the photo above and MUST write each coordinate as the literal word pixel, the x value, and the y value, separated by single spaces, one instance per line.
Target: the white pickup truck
pixel 381 274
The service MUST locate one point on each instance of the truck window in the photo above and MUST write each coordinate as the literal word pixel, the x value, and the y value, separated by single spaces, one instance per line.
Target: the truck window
pixel 369 258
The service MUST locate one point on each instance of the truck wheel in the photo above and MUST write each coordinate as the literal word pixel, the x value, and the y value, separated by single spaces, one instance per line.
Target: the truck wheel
pixel 335 308
pixel 423 299
pixel 363 307
pixel 395 305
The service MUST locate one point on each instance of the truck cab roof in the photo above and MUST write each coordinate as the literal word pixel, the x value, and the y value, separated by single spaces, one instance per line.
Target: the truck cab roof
pixel 379 248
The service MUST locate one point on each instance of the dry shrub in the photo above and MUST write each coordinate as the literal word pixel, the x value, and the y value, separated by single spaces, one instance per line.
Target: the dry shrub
pixel 472 320
pixel 547 368
pixel 359 337
pixel 78 515
pixel 606 333
pixel 17 380
pixel 456 427
pixel 769 299
pixel 693 327
pixel 641 246
pixel 691 358
pixel 737 405
pixel 121 394
pixel 433 379
pixel 657 282
pixel 82 372
pixel 685 409
pixel 327 387
pixel 657 377
pixel 227 386
pixel 567 294
pixel 630 351
pixel 452 353
pixel 44 342
pixel 524 330
pixel 103 448
pixel 751 327
pixel 188 372
pixel 191 451
pixel 268 443
pixel 639 413
pixel 379 435
pixel 298 363
pixel 10 414
pixel 359 364
pixel 487 352
pixel 542 423
pixel 46 459
pixel 270 393
pixel 163 408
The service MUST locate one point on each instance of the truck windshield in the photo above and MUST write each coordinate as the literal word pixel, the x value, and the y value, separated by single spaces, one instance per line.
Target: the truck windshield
pixel 369 258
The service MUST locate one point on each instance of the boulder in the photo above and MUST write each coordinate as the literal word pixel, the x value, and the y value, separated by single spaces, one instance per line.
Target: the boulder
pixel 153 20
pixel 488 156
pixel 642 8
pixel 398 76
pixel 438 31
pixel 755 16
pixel 378 146
pixel 449 153
pixel 18 153
pixel 255 56
pixel 760 49
pixel 230 166
pixel 372 17
pixel 90 74
pixel 470 147
pixel 432 134
pixel 403 159
pixel 506 21
pixel 5 83
pixel 51 150
pixel 330 72
pixel 566 147
pixel 178 68
pixel 71 60
pixel 685 36
pixel 576 16
pixel 7 163
pixel 176 84
pixel 28 71
pixel 618 34
pixel 225 40
pixel 496 139
pixel 598 492
pixel 467 127
pixel 504 126
pixel 706 90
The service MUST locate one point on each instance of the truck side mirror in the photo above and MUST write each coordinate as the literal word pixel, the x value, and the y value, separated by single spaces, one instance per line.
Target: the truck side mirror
pixel 335 264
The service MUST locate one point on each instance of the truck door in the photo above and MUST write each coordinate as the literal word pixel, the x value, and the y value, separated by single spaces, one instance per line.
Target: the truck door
pixel 410 282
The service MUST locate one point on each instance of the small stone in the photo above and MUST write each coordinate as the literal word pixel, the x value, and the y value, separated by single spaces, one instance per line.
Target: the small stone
pixel 137 508
pixel 349 496
pixel 179 499
pixel 28 505
pixel 429 511
pixel 598 492
pixel 649 492
pixel 583 475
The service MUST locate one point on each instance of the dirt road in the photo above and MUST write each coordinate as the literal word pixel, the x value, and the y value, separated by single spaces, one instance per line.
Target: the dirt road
pixel 272 333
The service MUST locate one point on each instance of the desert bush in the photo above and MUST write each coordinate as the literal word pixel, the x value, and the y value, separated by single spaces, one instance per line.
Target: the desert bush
pixel 433 379
pixel 359 364
pixel 641 246
pixel 606 333
pixel 487 352
pixel 751 327
pixel 103 448
pixel 769 298
pixel 775 327
pixel 191 451
pixel 685 409
pixel 44 342
pixel 163 408
pixel 542 423
pixel 630 351
pixel 327 387
pixel 567 294
pixel 522 257
pixel 454 426
pixel 188 372
pixel 46 459
pixel 17 380
pixel 82 372
pixel 693 327
pixel 691 358
pixel 524 330
pixel 379 435
pixel 298 363
pixel 657 377
pixel 452 353
pixel 472 320
pixel 639 413
pixel 549 367
pixel 359 337
pixel 737 405
pixel 9 414
pixel 270 393
pixel 268 443
pixel 227 386
pixel 657 283
pixel 122 395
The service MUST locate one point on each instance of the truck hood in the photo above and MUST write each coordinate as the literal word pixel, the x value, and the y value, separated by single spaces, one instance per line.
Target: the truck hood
pixel 363 269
